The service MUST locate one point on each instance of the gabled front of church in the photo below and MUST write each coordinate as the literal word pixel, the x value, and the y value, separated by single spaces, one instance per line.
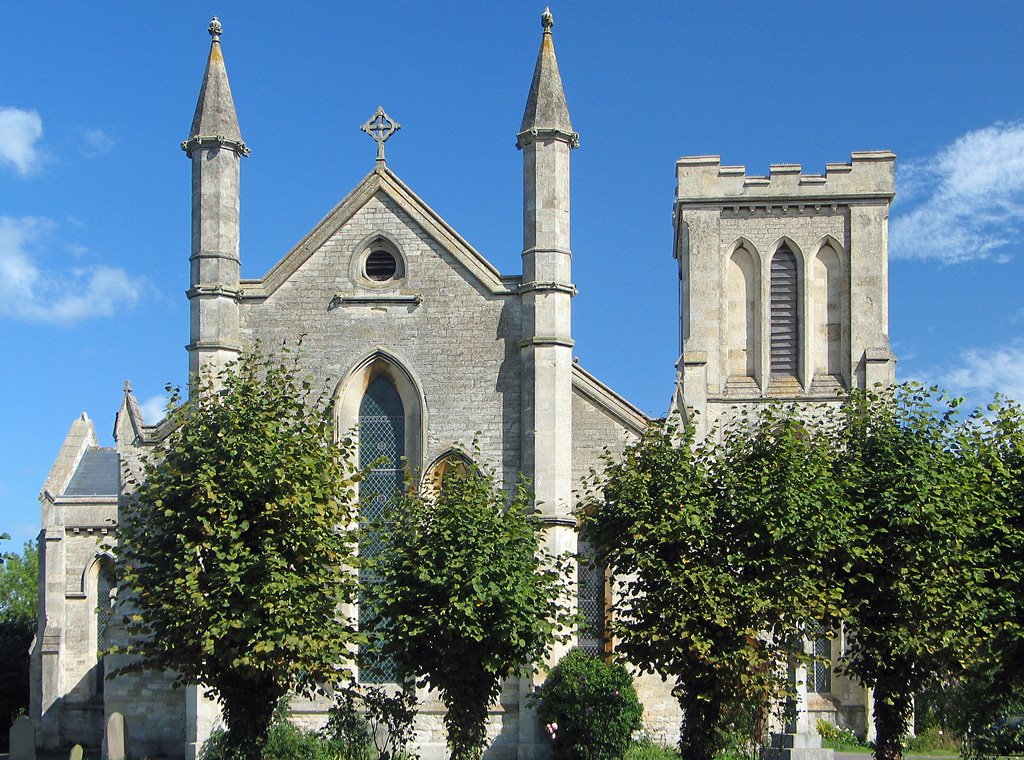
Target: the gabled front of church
pixel 428 348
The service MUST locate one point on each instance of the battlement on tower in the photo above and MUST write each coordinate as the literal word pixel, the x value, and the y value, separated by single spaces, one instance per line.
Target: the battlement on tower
pixel 703 180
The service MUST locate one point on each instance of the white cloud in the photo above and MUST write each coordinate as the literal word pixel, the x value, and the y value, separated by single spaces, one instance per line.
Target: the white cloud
pixel 981 373
pixel 966 202
pixel 154 409
pixel 30 293
pixel 19 132
pixel 96 142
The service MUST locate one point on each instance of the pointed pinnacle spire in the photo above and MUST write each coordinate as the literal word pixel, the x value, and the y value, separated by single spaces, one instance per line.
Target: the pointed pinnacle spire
pixel 215 120
pixel 545 107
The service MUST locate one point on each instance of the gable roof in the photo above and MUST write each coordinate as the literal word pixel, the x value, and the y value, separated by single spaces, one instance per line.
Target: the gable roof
pixel 98 474
pixel 381 180
pixel 608 401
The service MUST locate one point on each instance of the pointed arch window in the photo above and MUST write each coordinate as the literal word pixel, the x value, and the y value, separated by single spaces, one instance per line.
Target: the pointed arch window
pixel 828 319
pixel 452 461
pixel 741 314
pixel 785 327
pixel 382 447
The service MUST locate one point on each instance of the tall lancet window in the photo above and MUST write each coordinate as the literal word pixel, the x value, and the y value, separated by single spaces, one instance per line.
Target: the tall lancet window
pixel 381 450
pixel 785 328
pixel 590 591
pixel 828 318
pixel 742 314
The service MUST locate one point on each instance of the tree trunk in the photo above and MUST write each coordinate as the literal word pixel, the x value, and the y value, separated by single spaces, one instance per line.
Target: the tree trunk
pixel 466 722
pixel 248 711
pixel 698 735
pixel 892 715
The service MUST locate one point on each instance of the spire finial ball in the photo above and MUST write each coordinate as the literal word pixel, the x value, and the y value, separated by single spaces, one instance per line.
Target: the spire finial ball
pixel 547 20
pixel 215 29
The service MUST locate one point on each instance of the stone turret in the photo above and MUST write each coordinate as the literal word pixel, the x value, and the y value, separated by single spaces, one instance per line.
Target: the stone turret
pixel 546 137
pixel 216 147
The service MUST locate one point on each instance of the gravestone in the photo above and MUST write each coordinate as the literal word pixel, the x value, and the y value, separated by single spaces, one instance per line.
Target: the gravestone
pixel 23 739
pixel 77 753
pixel 116 739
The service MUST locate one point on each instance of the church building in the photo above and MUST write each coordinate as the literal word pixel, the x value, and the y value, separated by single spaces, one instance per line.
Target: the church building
pixel 783 294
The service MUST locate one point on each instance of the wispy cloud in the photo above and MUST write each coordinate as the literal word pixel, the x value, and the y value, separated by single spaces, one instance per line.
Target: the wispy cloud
pixel 154 409
pixel 96 142
pixel 19 133
pixel 981 373
pixel 964 203
pixel 30 293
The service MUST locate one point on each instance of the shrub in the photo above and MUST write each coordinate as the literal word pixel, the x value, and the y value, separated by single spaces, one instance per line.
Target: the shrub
pixel 349 728
pixel 590 708
pixel 284 742
pixel 370 723
pixel 932 739
pixel 648 750
pixel 838 737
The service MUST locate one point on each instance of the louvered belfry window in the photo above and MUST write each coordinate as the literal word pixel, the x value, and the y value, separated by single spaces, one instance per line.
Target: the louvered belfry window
pixel 381 449
pixel 784 319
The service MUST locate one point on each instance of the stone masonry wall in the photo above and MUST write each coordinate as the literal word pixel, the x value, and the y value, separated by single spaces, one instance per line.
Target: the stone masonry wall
pixel 459 343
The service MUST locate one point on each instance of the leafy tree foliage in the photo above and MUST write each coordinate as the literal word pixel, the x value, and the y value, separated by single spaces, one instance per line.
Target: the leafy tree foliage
pixel 916 583
pixel 977 703
pixel 999 439
pixel 725 554
pixel 19 593
pixel 233 549
pixel 19 584
pixel 468 598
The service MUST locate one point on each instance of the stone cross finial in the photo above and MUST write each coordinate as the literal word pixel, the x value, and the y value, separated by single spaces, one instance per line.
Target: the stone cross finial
pixel 547 20
pixel 380 127
pixel 215 28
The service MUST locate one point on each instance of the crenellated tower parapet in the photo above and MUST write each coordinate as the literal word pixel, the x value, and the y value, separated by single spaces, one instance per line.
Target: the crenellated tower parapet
pixel 867 177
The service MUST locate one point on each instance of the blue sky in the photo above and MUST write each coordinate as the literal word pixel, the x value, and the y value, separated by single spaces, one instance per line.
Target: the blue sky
pixel 94 190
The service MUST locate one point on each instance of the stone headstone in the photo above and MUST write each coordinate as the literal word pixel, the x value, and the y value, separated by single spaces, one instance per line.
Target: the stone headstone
pixel 23 739
pixel 76 752
pixel 116 738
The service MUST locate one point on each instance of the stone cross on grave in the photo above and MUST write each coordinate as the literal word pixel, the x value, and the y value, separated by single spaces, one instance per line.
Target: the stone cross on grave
pixel 380 127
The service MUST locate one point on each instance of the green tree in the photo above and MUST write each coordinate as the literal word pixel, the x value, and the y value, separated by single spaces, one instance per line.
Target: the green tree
pixel 468 598
pixel 19 584
pixel 232 547
pixel 999 439
pixel 992 689
pixel 725 554
pixel 916 588
pixel 19 593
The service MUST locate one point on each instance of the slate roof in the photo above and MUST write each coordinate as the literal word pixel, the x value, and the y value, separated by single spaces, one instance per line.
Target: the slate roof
pixel 98 474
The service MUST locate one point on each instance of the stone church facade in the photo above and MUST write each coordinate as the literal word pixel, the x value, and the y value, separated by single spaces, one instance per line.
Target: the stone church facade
pixel 783 293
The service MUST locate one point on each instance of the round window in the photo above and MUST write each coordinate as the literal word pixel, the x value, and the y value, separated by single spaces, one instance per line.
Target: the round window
pixel 380 266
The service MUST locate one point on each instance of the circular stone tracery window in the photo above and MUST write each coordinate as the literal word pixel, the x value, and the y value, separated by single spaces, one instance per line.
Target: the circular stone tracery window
pixel 380 266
